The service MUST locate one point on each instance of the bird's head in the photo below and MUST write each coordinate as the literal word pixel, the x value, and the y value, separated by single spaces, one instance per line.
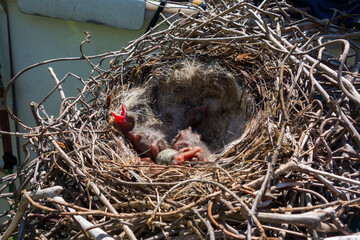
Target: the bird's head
pixel 125 120
pixel 198 115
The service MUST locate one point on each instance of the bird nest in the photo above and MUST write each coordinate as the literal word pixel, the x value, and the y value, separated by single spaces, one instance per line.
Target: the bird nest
pixel 281 128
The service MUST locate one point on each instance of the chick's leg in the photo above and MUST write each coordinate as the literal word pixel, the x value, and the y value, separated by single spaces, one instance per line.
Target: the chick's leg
pixel 191 154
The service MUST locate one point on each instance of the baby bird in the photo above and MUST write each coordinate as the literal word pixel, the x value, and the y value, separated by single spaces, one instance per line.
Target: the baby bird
pixel 198 115
pixel 146 141
pixel 187 146
pixel 190 146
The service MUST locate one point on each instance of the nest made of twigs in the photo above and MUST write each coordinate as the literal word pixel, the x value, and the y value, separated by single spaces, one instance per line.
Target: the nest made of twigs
pixel 289 169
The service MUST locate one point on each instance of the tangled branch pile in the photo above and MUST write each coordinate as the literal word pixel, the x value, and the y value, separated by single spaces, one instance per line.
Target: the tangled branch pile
pixel 291 171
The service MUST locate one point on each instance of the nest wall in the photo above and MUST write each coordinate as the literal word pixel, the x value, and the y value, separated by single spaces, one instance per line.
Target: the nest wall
pixel 284 133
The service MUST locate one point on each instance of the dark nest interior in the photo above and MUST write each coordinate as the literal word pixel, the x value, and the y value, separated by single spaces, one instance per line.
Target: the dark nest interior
pixel 259 90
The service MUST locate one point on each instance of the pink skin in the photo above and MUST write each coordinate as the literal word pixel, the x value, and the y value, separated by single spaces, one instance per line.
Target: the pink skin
pixel 198 115
pixel 147 145
pixel 189 154
pixel 189 145
pixel 186 139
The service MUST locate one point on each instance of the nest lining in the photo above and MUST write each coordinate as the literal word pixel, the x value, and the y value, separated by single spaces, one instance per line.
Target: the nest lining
pixel 167 97
pixel 293 147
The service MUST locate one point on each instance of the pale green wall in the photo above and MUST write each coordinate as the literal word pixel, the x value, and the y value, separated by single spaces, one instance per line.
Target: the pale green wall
pixel 34 39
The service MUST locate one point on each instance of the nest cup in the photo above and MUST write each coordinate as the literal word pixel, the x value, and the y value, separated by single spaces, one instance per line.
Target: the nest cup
pixel 168 95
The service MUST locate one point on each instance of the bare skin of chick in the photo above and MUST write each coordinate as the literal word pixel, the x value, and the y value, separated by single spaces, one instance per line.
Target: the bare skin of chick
pixel 190 146
pixel 147 142
pixel 198 115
